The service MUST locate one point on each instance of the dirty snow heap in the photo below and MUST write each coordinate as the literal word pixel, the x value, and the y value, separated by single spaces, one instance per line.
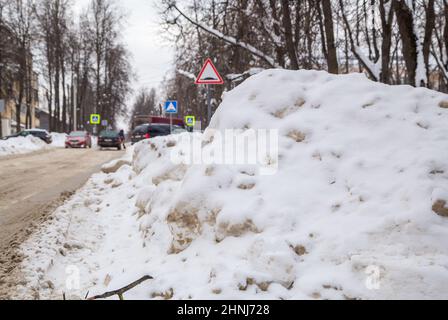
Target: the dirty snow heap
pixel 355 207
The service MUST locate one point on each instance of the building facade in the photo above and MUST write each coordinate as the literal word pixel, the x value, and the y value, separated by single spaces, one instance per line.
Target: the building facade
pixel 10 87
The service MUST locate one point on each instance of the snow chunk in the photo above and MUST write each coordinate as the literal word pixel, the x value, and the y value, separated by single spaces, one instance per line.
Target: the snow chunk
pixel 113 166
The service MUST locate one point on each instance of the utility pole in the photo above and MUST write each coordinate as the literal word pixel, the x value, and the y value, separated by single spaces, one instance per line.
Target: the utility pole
pixel 95 111
pixel 75 105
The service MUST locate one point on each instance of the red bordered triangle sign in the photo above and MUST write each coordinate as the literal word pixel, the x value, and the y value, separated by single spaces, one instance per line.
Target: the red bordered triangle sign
pixel 209 74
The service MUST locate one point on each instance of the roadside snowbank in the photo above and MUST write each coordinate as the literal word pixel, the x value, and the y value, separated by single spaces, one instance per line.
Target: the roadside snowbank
pixel 58 140
pixel 23 145
pixel 349 214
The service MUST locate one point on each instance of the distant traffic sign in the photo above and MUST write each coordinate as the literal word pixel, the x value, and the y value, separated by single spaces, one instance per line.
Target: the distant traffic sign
pixel 190 121
pixel 171 107
pixel 95 119
pixel 209 74
pixel 104 123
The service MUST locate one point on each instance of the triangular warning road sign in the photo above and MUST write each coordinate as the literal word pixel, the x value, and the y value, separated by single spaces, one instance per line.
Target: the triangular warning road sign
pixel 170 107
pixel 209 74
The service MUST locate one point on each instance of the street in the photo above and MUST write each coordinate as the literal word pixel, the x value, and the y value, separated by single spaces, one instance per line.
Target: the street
pixel 32 186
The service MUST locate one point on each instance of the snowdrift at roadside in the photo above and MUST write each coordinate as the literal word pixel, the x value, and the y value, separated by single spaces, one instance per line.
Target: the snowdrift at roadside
pixel 23 145
pixel 58 140
pixel 361 167
pixel 356 210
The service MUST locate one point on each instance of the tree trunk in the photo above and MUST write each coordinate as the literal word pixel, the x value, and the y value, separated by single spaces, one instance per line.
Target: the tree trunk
pixel 57 104
pixel 386 24
pixel 427 41
pixel 409 40
pixel 333 66
pixel 64 96
pixel 287 25
pixel 280 52
pixel 22 80
pixel 321 28
pixel 29 93
pixel 445 33
pixel 19 106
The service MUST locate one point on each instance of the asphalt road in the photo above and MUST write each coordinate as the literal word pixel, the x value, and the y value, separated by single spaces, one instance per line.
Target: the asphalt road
pixel 31 187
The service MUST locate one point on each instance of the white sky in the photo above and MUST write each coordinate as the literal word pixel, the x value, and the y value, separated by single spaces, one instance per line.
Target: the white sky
pixel 151 55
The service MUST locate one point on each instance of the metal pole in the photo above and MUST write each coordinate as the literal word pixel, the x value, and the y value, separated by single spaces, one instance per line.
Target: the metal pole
pixel 95 111
pixel 171 123
pixel 1 117
pixel 209 104
pixel 75 107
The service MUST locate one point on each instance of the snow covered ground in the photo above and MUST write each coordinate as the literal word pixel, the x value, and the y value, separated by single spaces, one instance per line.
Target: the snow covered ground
pixel 23 145
pixel 58 140
pixel 355 208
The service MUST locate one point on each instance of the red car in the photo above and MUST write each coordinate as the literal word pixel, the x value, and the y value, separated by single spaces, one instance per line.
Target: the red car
pixel 78 139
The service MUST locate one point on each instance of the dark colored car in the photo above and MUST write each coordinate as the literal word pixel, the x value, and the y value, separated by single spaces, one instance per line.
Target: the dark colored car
pixel 78 139
pixel 149 131
pixel 110 139
pixel 38 133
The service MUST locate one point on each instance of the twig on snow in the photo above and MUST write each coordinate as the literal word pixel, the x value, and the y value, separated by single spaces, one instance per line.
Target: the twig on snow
pixel 121 291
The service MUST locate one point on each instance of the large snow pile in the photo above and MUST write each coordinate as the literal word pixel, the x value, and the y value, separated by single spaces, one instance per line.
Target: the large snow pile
pixel 21 145
pixel 356 209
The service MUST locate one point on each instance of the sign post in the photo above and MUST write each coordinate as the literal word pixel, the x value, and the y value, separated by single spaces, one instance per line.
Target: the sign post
pixel 95 120
pixel 209 75
pixel 209 104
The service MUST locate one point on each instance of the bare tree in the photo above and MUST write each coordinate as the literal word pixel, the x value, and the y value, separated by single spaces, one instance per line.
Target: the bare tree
pixel 387 19
pixel 416 42
pixel 73 88
pixel 145 104
pixel 20 21
pixel 332 59
pixel 287 26
pixel 439 49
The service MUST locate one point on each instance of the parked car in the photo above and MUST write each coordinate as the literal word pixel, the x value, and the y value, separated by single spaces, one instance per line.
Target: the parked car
pixel 38 133
pixel 149 131
pixel 78 139
pixel 110 139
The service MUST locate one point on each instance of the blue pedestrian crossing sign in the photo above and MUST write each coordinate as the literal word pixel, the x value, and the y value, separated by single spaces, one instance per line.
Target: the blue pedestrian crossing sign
pixel 171 107
pixel 95 119
pixel 190 121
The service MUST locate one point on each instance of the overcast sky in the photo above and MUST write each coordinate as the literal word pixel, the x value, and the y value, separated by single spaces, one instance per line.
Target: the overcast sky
pixel 151 55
